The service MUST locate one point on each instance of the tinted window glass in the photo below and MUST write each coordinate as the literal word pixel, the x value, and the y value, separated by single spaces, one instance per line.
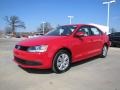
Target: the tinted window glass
pixel 85 30
pixel 62 31
pixel 116 34
pixel 95 31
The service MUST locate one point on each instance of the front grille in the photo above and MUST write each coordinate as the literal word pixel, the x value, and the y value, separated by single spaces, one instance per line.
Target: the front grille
pixel 26 62
pixel 24 48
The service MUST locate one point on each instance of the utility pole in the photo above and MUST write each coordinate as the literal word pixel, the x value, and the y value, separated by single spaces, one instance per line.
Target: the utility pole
pixel 43 27
pixel 108 12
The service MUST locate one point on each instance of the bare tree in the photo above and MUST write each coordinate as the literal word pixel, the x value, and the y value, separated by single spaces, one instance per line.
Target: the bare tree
pixel 47 27
pixel 14 22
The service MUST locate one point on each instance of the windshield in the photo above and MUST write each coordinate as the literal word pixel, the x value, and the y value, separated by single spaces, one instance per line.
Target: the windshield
pixel 62 31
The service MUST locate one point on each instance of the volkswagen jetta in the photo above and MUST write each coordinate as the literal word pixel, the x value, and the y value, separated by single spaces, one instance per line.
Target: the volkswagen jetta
pixel 60 47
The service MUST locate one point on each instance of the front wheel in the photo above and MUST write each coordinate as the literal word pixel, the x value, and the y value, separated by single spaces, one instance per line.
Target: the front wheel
pixel 61 62
pixel 104 51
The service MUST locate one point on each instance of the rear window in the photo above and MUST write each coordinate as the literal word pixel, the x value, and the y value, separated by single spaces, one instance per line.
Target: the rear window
pixel 95 31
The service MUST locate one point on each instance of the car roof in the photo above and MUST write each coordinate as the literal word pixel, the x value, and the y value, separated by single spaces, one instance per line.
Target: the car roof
pixel 77 25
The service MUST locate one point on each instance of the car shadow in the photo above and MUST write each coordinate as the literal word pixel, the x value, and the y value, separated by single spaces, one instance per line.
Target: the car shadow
pixel 49 71
pixel 85 61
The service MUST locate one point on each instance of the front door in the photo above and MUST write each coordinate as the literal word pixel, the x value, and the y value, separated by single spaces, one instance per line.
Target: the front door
pixel 82 46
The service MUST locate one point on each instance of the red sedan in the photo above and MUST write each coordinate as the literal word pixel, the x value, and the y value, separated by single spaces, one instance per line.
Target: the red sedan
pixel 61 47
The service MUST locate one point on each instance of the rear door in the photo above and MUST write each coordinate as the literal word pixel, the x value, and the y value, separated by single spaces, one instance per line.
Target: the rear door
pixel 97 40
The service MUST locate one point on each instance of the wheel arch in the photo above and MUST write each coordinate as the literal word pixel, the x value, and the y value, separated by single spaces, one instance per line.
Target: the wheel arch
pixel 54 60
pixel 63 48
pixel 106 44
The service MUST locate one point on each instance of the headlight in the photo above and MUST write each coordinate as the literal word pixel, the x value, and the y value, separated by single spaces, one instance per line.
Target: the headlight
pixel 41 48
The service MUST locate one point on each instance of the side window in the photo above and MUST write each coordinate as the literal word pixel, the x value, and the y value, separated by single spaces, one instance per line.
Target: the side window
pixel 85 30
pixel 95 31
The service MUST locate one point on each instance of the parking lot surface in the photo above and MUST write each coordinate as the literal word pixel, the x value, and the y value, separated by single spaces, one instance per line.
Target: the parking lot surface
pixel 94 74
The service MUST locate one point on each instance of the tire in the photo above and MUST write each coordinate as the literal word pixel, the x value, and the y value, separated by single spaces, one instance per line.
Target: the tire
pixel 104 51
pixel 61 62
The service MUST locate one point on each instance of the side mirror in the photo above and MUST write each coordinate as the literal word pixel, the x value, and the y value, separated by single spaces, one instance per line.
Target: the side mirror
pixel 80 34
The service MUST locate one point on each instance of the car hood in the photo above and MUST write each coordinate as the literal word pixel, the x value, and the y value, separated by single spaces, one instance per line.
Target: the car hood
pixel 42 40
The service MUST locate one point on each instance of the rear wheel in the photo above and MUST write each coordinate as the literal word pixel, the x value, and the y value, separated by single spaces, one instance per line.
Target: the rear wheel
pixel 61 62
pixel 104 51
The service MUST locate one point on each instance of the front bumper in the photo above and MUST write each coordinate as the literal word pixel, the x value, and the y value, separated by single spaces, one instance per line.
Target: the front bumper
pixel 27 62
pixel 32 60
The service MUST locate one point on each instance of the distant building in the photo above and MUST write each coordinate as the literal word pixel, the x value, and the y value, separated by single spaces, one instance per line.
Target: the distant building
pixel 105 29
